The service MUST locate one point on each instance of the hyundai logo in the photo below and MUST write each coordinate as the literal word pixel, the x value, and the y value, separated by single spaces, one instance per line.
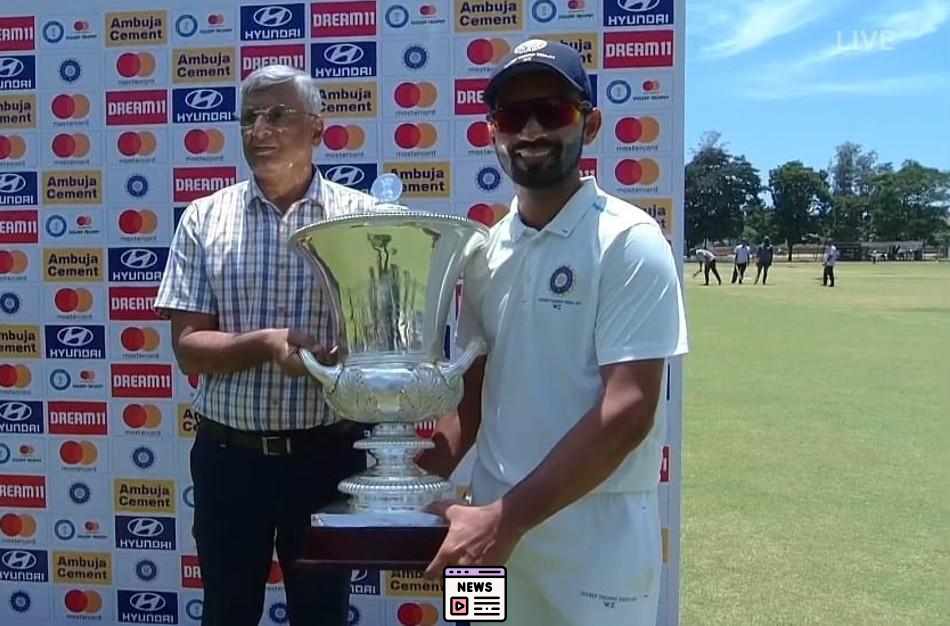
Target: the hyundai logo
pixel 345 175
pixel 272 17
pixel 145 527
pixel 19 559
pixel 343 54
pixel 13 411
pixel 147 601
pixel 638 6
pixel 358 574
pixel 75 336
pixel 138 258
pixel 10 67
pixel 11 183
pixel 204 99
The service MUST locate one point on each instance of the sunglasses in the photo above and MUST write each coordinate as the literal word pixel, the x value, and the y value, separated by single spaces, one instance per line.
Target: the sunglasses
pixel 551 114
pixel 278 116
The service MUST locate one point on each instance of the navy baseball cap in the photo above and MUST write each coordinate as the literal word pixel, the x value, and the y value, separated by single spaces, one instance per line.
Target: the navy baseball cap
pixel 534 55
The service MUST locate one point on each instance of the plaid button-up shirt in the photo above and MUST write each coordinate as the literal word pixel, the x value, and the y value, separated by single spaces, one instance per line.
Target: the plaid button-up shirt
pixel 230 257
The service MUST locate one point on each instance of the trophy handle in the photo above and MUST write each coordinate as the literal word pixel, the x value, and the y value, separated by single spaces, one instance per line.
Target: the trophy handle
pixel 454 369
pixel 326 374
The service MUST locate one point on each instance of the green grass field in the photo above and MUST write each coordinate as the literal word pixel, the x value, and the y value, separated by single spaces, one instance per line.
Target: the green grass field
pixel 816 486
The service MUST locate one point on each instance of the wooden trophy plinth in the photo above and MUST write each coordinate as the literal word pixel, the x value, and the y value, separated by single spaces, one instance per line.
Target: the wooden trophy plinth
pixel 373 540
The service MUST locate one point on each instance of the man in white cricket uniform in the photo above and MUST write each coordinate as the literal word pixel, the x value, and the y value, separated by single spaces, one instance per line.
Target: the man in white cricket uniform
pixel 578 297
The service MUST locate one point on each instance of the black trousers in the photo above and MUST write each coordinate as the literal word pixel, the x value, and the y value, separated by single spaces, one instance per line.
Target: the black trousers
pixel 762 269
pixel 828 275
pixel 245 503
pixel 711 267
pixel 738 272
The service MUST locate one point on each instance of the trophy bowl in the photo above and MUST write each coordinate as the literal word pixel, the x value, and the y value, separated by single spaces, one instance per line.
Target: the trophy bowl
pixel 391 277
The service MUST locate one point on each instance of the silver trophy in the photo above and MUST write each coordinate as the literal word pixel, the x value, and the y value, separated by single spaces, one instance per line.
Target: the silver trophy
pixel 391 275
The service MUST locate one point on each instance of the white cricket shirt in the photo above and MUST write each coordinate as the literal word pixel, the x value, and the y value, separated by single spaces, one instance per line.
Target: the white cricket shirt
pixel 597 285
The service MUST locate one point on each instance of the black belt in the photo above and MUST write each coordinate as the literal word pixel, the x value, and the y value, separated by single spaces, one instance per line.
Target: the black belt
pixel 283 443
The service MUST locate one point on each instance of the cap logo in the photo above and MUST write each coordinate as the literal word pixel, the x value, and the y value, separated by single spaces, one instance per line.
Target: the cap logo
pixel 532 45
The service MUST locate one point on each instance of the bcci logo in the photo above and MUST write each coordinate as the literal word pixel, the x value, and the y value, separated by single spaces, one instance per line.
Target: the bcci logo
pixel 562 280
pixel 415 57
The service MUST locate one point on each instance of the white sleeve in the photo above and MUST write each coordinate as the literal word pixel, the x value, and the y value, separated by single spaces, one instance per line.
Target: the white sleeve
pixel 640 312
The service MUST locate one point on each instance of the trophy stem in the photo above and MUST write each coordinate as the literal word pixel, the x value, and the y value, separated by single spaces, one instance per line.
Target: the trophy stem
pixel 394 483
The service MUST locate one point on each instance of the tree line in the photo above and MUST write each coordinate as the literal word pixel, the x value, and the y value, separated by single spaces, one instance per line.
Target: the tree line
pixel 857 198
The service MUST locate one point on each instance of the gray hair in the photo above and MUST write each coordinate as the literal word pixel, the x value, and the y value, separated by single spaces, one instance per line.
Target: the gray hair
pixel 271 75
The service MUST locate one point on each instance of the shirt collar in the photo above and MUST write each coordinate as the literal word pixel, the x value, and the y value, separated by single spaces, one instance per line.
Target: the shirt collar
pixel 255 197
pixel 585 198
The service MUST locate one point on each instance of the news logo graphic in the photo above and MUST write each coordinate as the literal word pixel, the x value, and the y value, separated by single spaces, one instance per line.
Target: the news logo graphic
pixel 475 593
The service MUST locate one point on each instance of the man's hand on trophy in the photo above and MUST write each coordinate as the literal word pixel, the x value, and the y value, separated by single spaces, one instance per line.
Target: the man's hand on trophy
pixel 478 535
pixel 286 346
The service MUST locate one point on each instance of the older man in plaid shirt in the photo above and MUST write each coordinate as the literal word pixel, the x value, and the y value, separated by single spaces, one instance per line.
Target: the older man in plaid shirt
pixel 268 450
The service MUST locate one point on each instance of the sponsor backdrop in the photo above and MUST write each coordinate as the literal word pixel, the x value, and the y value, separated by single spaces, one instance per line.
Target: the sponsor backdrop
pixel 113 117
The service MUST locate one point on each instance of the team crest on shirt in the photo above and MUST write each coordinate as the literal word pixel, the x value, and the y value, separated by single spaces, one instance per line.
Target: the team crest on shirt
pixel 562 280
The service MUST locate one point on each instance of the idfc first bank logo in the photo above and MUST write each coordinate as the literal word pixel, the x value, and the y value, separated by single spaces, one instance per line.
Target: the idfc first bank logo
pixel 271 22
pixel 638 12
pixel 203 105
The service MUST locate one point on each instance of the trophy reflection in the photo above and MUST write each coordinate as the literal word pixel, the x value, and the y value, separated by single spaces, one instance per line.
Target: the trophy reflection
pixel 391 275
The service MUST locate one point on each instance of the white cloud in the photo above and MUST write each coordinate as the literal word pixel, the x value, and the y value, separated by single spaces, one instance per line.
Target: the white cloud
pixel 779 89
pixel 742 26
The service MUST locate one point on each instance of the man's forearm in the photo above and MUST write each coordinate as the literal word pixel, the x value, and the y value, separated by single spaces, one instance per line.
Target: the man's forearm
pixel 217 352
pixel 584 458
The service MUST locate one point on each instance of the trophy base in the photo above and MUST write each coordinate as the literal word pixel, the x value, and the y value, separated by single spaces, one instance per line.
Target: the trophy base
pixel 373 540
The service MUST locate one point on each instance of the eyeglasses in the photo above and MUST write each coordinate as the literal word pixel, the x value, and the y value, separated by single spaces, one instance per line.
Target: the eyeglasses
pixel 277 116
pixel 551 114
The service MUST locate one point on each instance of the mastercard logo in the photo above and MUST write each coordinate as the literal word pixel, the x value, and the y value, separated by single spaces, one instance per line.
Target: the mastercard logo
pixel 133 143
pixel 487 214
pixel 66 145
pixel 136 339
pixel 478 134
pixel 339 137
pixel 215 19
pixel 142 416
pixel 12 147
pixel 91 526
pixel 26 450
pixel 427 10
pixel 637 129
pixel 482 51
pixel 415 136
pixel 87 602
pixel 16 376
pixel 70 107
pixel 204 141
pixel 135 65
pixel 637 171
pixel 138 221
pixel 17 525
pixel 70 300
pixel 13 262
pixel 78 453
pixel 417 614
pixel 80 26
pixel 411 95
pixel 650 86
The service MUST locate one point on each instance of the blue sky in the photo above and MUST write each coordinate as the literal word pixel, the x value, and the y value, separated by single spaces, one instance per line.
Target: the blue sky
pixel 791 79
